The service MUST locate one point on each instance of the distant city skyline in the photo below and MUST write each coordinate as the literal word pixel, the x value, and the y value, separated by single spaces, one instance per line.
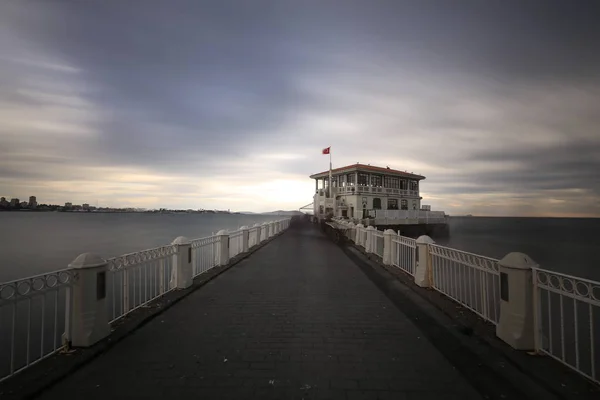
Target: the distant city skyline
pixel 33 203
pixel 219 104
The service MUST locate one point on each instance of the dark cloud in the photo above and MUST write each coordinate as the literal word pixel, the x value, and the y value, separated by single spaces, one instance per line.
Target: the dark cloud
pixel 485 98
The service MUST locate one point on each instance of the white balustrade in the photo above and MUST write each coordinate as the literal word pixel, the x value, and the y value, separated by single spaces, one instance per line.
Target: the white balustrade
pixel 423 217
pixel 236 243
pixel 377 242
pixel 254 236
pixel 556 314
pixel 567 320
pixel 32 311
pixel 264 232
pixel 470 279
pixel 44 314
pixel 136 279
pixel 204 254
pixel 403 254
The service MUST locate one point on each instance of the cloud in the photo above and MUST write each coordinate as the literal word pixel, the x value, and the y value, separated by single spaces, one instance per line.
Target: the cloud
pixel 227 105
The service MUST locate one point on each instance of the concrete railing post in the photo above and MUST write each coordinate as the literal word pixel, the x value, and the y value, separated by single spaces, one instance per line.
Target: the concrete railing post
pixel 389 247
pixel 423 261
pixel 86 319
pixel 182 274
pixel 369 242
pixel 223 240
pixel 359 235
pixel 245 236
pixel 516 323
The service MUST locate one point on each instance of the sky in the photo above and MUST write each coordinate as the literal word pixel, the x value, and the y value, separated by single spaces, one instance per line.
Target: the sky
pixel 228 104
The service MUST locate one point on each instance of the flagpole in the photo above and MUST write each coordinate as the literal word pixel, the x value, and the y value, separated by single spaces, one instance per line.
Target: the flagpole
pixel 330 181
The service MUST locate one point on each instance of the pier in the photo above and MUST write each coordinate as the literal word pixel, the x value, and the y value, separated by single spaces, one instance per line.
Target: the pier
pixel 282 311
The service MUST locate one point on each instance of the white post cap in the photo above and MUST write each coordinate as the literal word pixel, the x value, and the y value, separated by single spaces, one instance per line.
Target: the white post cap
pixel 389 232
pixel 181 240
pixel 424 239
pixel 517 260
pixel 87 260
pixel 222 232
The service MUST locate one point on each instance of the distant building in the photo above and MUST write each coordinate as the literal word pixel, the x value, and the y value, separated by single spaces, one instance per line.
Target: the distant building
pixel 14 202
pixel 85 206
pixel 32 202
pixel 3 202
pixel 68 205
pixel 23 204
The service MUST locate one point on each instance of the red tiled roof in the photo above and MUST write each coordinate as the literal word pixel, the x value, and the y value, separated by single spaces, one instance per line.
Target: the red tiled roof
pixel 363 167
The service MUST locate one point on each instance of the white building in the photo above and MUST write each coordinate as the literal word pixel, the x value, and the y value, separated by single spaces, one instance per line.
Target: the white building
pixel 384 196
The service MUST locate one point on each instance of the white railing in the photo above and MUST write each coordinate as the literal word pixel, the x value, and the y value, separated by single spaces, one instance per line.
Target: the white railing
pixel 377 242
pixel 470 279
pixel 136 279
pixel 351 233
pixel 264 232
pixel 235 243
pixel 204 254
pixel 363 233
pixel 404 253
pixel 253 236
pixel 35 316
pixel 32 319
pixel 423 217
pixel 567 320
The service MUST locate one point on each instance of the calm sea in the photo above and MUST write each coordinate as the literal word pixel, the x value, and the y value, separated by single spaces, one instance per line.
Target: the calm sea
pixel 37 242
pixel 33 243
pixel 567 245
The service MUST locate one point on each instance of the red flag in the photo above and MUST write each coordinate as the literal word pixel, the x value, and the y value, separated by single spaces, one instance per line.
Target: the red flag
pixel 326 151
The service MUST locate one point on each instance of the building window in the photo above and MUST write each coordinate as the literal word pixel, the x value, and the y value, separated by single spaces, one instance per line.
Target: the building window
pixel 391 182
pixel 392 204
pixel 404 204
pixel 376 180
pixel 363 179
pixel 350 179
pixel 414 205
pixel 403 184
pixel 377 203
pixel 414 185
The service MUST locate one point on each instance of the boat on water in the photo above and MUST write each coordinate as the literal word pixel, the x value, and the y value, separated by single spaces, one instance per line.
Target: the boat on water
pixel 377 196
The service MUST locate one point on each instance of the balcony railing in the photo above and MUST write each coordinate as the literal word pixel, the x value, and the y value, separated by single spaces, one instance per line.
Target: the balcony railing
pixel 369 189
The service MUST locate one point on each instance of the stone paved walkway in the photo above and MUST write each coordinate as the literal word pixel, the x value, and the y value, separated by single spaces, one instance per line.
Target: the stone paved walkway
pixel 296 320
